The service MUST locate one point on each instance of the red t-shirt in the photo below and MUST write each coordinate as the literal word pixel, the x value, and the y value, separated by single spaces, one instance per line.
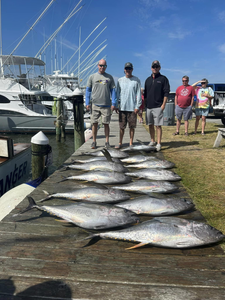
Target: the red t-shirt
pixel 184 95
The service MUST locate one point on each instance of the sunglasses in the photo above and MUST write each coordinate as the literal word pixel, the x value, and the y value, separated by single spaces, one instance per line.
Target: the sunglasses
pixel 184 80
pixel 203 82
pixel 103 66
pixel 155 67
pixel 128 68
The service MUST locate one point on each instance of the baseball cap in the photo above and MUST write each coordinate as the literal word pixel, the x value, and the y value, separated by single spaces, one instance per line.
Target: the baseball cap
pixel 156 62
pixel 128 65
pixel 206 80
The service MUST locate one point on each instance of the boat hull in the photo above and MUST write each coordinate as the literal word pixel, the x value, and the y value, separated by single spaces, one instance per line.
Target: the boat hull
pixel 32 124
pixel 15 170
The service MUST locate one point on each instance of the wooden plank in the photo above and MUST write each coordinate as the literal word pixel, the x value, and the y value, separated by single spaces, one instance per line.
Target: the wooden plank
pixel 112 273
pixel 28 288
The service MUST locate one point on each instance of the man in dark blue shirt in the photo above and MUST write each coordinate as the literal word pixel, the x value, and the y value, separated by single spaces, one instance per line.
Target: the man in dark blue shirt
pixel 156 93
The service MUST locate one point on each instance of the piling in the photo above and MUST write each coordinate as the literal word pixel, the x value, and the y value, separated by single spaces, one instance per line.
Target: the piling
pixel 39 149
pixel 59 119
pixel 78 111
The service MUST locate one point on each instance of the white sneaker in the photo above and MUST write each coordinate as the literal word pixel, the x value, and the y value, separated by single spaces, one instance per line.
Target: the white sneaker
pixel 152 144
pixel 158 147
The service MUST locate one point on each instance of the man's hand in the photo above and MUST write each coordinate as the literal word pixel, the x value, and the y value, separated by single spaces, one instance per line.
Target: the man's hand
pixel 88 107
pixel 136 110
pixel 163 107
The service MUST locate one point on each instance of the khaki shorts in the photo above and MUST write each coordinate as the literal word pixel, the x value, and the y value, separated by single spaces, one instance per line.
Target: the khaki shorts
pixel 98 111
pixel 154 116
pixel 127 117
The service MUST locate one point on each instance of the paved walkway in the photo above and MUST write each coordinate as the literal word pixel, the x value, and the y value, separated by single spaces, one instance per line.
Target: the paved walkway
pixel 40 259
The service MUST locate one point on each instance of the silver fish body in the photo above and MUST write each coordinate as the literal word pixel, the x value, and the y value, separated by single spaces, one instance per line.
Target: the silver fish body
pixel 89 215
pixel 138 159
pixel 102 177
pixel 155 174
pixel 157 207
pixel 168 232
pixel 113 153
pixel 154 164
pixel 95 158
pixel 145 148
pixel 146 187
pixel 92 194
pixel 99 165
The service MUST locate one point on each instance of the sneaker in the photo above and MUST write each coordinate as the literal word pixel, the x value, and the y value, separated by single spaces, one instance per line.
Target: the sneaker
pixel 107 145
pixel 93 145
pixel 158 147
pixel 152 144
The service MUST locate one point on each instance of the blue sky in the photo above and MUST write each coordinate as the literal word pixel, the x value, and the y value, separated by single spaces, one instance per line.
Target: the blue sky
pixel 187 37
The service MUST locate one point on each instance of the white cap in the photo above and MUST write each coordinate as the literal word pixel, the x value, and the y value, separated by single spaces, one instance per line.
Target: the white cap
pixel 40 139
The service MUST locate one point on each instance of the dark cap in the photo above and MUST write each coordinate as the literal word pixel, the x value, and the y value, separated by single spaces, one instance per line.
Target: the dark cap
pixel 128 65
pixel 206 80
pixel 156 62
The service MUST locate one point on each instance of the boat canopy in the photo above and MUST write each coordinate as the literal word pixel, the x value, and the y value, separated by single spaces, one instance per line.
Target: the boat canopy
pixel 20 60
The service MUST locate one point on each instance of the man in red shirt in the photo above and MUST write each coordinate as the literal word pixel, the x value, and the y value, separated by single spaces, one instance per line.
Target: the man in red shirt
pixel 184 99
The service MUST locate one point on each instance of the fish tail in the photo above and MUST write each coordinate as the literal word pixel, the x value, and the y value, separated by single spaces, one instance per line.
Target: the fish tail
pixel 46 198
pixel 64 179
pixel 90 237
pixel 31 205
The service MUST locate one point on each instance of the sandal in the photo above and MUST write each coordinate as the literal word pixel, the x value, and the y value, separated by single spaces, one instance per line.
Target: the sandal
pixel 202 133
pixel 176 133
pixel 186 134
pixel 118 146
pixel 194 133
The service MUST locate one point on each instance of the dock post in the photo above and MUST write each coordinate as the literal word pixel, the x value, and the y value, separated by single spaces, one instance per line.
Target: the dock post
pixel 58 120
pixel 39 149
pixel 78 111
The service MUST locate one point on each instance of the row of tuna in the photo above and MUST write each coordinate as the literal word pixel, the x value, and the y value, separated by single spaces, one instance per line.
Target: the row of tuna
pixel 110 207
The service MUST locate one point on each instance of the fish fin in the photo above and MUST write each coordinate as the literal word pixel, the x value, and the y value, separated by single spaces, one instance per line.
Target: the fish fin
pixel 31 205
pixel 62 221
pixel 136 246
pixel 140 142
pixel 106 154
pixel 142 152
pixel 45 192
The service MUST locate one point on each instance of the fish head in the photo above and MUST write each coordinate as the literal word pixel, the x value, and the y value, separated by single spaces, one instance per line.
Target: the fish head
pixel 184 204
pixel 119 194
pixel 206 233
pixel 125 216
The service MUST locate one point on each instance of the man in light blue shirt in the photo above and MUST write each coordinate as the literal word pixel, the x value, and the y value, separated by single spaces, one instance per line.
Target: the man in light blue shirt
pixel 99 87
pixel 129 99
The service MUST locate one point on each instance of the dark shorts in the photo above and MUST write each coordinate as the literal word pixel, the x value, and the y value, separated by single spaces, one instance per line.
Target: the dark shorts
pixel 186 112
pixel 127 117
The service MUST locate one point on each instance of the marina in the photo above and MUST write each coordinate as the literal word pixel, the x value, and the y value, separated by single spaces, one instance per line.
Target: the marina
pixel 42 258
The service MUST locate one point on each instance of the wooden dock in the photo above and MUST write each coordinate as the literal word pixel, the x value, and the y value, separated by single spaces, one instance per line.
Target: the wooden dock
pixel 40 258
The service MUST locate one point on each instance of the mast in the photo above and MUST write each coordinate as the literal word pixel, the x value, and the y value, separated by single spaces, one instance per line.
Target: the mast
pixel 1 71
pixel 79 58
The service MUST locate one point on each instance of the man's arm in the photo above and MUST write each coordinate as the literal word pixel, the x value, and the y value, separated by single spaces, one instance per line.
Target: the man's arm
pixel 139 99
pixel 114 99
pixel 88 97
pixel 192 101
pixel 194 84
pixel 175 100
pixel 166 90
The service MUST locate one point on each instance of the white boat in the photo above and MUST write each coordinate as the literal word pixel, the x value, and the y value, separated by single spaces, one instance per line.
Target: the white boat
pixel 15 164
pixel 22 93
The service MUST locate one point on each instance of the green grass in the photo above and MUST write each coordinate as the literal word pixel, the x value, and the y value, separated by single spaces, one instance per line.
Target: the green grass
pixel 201 168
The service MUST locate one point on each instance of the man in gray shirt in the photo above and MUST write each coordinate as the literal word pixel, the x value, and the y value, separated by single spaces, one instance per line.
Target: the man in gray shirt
pixel 99 87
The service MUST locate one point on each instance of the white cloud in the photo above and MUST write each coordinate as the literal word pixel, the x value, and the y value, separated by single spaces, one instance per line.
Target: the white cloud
pixel 222 48
pixel 161 4
pixel 179 34
pixel 138 54
pixel 177 71
pixel 221 16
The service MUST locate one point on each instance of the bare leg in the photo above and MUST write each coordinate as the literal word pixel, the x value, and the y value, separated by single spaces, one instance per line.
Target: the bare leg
pixel 152 132
pixel 132 130
pixel 94 131
pixel 121 136
pixel 203 123
pixel 159 134
pixel 107 130
pixel 186 124
pixel 196 123
pixel 178 125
